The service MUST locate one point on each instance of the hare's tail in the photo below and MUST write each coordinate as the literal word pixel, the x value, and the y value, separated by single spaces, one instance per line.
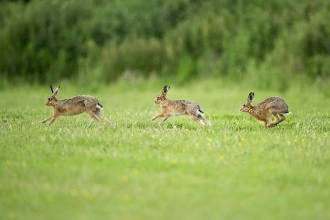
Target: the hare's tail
pixel 287 113
pixel 99 106
pixel 199 111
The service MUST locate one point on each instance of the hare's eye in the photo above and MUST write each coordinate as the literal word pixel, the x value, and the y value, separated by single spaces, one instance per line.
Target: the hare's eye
pixel 49 99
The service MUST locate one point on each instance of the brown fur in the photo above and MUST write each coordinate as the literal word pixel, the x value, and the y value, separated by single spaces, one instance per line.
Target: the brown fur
pixel 179 107
pixel 74 106
pixel 275 106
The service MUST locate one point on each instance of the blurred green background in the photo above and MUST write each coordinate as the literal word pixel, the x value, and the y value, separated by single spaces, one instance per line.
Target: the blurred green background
pixel 268 44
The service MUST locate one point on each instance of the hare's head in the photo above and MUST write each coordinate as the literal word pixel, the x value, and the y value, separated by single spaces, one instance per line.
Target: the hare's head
pixel 51 101
pixel 162 97
pixel 248 106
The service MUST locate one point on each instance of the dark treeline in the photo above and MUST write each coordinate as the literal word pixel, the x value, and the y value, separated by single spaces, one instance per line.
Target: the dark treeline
pixel 268 42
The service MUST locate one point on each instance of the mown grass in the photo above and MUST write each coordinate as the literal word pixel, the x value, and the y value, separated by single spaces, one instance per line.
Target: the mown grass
pixel 234 170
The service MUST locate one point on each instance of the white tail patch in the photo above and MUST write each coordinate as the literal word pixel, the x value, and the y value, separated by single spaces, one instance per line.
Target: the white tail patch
pixel 199 112
pixel 286 114
pixel 99 106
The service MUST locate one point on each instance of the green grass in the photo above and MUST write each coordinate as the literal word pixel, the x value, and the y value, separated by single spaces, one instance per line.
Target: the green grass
pixel 236 169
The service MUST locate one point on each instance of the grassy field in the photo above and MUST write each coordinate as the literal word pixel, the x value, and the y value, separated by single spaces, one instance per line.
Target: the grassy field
pixel 236 169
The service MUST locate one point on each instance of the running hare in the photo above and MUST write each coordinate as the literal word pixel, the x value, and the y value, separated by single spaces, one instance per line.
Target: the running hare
pixel 272 106
pixel 74 106
pixel 179 107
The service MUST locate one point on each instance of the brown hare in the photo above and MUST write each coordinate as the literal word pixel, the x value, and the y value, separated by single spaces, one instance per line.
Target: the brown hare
pixel 74 106
pixel 179 107
pixel 275 106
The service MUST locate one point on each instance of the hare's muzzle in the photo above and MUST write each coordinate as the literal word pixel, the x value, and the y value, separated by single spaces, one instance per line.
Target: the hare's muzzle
pixel 241 109
pixel 47 103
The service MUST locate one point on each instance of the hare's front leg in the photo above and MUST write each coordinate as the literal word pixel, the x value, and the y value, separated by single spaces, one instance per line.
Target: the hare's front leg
pixel 54 117
pixel 47 119
pixel 166 117
pixel 157 116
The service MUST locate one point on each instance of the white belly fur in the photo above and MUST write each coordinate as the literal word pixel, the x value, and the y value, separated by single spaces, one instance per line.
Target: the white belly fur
pixel 175 114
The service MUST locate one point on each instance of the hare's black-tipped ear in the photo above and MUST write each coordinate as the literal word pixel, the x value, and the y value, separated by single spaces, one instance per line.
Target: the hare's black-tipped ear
pixel 51 89
pixel 56 91
pixel 250 97
pixel 166 89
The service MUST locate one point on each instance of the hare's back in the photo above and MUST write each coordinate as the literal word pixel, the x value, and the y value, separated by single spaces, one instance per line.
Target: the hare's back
pixel 186 103
pixel 275 103
pixel 187 106
pixel 81 101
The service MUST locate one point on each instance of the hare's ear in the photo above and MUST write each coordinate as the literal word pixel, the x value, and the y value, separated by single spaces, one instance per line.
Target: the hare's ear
pixel 56 91
pixel 166 89
pixel 51 89
pixel 250 97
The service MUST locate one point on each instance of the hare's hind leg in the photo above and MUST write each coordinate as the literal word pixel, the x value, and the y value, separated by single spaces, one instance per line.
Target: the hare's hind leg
pixel 98 113
pixel 278 120
pixel 92 115
pixel 282 117
pixel 196 119
pixel 204 120
pixel 273 124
